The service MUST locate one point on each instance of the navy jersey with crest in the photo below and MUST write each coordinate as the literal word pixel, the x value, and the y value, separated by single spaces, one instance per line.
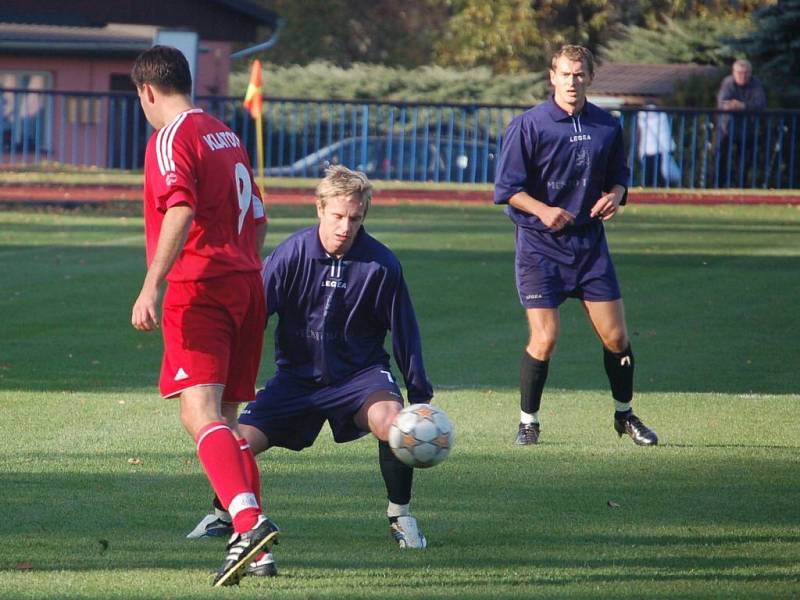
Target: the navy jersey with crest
pixel 561 160
pixel 333 314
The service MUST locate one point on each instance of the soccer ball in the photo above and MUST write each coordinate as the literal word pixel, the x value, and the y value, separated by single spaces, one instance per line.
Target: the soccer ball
pixel 421 435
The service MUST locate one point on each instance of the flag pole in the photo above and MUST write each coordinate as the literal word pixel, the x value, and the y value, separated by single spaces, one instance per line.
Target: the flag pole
pixel 260 153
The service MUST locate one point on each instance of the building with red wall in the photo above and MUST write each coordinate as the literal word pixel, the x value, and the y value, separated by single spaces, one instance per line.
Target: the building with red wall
pixel 87 46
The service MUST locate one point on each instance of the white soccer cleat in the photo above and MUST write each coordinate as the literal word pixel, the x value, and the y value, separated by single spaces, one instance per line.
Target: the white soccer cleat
pixel 211 526
pixel 406 533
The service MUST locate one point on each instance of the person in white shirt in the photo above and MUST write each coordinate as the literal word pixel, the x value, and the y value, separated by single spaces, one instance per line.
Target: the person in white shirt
pixel 655 148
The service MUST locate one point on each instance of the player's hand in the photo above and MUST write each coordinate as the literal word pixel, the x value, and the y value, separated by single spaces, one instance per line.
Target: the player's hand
pixel 144 315
pixel 556 218
pixel 606 207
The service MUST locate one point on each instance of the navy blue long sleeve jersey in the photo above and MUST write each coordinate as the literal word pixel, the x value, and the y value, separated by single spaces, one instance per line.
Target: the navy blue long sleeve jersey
pixel 333 314
pixel 561 160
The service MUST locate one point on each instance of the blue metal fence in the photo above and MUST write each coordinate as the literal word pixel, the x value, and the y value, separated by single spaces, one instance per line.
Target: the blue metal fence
pixel 687 148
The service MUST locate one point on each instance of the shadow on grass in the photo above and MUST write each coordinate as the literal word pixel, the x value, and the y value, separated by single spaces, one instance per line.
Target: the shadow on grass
pixel 732 513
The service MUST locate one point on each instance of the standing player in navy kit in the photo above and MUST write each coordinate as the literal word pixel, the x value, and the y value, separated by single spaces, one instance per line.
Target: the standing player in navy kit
pixel 337 291
pixel 562 172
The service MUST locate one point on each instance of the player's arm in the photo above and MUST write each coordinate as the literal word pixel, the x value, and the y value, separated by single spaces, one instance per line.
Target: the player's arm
pixel 608 204
pixel 553 216
pixel 406 341
pixel 512 177
pixel 616 181
pixel 171 239
pixel 274 278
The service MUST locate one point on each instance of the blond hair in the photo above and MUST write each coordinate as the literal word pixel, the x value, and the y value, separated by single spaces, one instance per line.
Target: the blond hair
pixel 575 53
pixel 339 181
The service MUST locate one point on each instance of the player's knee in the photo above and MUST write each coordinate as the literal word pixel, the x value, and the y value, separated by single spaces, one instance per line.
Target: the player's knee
pixel 380 428
pixel 616 341
pixel 542 347
pixel 189 421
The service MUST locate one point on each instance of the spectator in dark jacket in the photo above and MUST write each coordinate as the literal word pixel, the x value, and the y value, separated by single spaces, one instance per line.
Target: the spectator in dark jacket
pixel 740 95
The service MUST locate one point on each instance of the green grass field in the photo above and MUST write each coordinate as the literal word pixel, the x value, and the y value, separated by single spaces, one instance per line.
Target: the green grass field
pixel 712 303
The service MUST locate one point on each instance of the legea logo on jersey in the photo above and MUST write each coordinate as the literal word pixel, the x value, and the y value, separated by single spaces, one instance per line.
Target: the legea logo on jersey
pixel 534 297
pixel 581 137
pixel 333 283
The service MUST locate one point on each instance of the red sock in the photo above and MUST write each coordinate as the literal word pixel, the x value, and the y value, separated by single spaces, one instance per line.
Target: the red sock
pixel 253 478
pixel 221 458
pixel 251 469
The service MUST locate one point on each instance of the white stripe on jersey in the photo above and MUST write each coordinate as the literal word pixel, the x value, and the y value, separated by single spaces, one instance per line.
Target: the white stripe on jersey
pixel 158 153
pixel 164 140
pixel 336 268
pixel 167 157
pixel 161 142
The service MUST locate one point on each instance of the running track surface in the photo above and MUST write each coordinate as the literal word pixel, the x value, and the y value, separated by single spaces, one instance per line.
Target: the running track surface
pixel 73 195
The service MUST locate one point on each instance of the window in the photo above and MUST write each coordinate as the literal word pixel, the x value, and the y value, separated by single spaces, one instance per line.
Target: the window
pixel 25 111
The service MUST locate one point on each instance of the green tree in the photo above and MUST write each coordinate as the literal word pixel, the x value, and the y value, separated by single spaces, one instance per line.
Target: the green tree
pixel 520 35
pixel 325 81
pixel 651 12
pixel 693 40
pixel 504 35
pixel 348 31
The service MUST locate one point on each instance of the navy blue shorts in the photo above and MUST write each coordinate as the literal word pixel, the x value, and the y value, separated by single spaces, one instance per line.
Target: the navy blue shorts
pixel 576 263
pixel 291 412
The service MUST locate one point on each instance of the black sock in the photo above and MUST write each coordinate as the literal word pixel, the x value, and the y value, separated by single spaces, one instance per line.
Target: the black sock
pixel 619 368
pixel 532 375
pixel 397 475
pixel 219 509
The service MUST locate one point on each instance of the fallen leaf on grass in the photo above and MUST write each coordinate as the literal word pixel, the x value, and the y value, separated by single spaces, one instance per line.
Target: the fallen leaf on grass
pixel 134 461
pixel 612 504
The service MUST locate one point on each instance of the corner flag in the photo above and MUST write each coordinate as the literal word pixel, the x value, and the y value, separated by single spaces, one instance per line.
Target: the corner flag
pixel 253 99
pixel 253 102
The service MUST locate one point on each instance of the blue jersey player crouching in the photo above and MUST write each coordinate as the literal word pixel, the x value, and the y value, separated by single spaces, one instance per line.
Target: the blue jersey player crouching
pixel 562 173
pixel 337 291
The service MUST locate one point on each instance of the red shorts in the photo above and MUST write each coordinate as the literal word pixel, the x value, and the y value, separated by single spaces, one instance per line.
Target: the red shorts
pixel 213 333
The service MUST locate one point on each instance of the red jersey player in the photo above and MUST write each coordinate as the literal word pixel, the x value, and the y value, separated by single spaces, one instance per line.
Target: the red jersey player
pixel 204 225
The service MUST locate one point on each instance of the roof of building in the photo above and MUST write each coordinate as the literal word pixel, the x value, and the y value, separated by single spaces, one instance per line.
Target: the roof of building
pixel 617 79
pixel 113 38
pixel 230 20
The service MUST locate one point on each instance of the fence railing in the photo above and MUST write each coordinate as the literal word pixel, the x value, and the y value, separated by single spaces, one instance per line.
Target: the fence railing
pixel 687 148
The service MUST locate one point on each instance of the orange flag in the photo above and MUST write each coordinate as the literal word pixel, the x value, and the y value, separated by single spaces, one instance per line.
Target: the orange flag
pixel 253 99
